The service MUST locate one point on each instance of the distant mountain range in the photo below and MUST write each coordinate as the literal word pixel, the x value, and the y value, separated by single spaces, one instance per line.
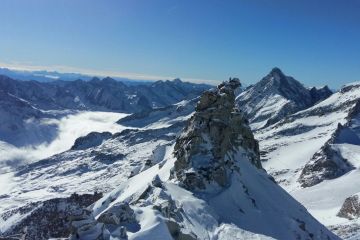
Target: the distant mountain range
pixel 25 104
pixel 50 76
pixel 100 94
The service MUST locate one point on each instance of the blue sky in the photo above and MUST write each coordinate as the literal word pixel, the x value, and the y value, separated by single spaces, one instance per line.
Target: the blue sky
pixel 317 42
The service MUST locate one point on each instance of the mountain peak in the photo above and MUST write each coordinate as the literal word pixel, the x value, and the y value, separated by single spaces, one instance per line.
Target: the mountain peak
pixel 277 71
pixel 177 80
pixel 109 80
pixel 282 94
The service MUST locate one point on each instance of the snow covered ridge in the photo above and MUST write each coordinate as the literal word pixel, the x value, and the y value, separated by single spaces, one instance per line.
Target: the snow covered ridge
pixel 183 197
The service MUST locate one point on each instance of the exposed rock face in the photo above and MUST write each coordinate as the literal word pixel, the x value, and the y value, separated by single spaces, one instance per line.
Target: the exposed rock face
pixel 84 225
pixel 216 130
pixel 319 94
pixel 350 208
pixel 118 213
pixel 327 163
pixel 93 139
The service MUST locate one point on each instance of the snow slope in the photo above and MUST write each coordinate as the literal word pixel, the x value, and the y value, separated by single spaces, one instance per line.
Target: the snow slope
pixel 224 216
pixel 313 140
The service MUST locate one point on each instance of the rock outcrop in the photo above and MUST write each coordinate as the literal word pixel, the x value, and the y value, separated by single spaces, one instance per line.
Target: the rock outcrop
pixel 215 132
pixel 93 139
pixel 350 208
pixel 319 94
pixel 84 226
pixel 328 162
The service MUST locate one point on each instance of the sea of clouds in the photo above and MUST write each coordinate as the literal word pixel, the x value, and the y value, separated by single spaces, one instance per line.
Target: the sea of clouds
pixel 69 128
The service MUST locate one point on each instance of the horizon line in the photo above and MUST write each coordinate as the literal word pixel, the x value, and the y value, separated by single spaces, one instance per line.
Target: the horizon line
pixel 62 69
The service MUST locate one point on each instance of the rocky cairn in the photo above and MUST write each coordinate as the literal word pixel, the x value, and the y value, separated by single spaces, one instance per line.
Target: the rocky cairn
pixel 214 134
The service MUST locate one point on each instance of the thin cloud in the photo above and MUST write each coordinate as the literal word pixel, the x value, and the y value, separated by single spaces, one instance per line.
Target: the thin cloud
pixel 100 73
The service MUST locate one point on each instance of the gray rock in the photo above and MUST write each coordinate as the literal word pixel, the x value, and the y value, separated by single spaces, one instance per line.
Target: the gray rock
pixel 350 208
pixel 93 139
pixel 218 129
pixel 327 163
pixel 176 231
pixel 119 213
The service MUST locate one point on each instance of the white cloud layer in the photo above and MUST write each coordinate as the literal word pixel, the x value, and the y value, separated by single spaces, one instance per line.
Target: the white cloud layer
pixel 69 129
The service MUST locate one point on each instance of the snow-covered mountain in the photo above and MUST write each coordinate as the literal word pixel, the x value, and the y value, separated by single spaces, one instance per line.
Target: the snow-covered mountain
pixel 101 95
pixel 170 193
pixel 313 154
pixel 275 97
pixel 311 149
pixel 210 185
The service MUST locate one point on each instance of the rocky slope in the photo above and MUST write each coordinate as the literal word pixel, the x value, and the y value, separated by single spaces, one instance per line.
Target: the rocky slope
pixel 277 96
pixel 185 197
